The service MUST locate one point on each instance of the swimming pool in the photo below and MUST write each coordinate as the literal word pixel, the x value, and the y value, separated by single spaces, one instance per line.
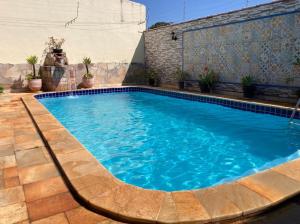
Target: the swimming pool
pixel 166 143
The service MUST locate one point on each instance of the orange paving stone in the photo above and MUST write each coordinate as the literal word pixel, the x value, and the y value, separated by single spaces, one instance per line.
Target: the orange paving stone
pixel 45 207
pixel 55 219
pixel 37 173
pixel 11 182
pixel 44 188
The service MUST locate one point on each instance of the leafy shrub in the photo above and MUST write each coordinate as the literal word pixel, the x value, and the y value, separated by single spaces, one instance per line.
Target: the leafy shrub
pixel 247 80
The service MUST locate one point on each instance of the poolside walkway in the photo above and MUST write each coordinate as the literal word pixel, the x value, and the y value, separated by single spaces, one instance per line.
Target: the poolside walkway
pixel 33 191
pixel 31 188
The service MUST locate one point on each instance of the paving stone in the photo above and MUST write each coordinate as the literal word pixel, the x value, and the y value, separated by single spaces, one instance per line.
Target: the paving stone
pixel 168 211
pixel 50 206
pixel 13 213
pixel 6 150
pixel 81 215
pixel 10 172
pixel 36 173
pixel 44 188
pixel 55 219
pixel 11 182
pixel 11 195
pixel 189 208
pixel 30 157
pixel 272 185
pixel 7 161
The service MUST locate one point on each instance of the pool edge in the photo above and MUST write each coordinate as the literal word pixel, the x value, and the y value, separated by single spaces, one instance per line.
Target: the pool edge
pixel 98 189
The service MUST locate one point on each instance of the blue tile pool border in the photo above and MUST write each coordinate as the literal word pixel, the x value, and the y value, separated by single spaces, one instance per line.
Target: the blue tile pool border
pixel 232 103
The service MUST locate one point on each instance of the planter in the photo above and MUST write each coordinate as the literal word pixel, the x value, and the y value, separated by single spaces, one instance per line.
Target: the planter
pixel 57 51
pixel 204 88
pixel 181 85
pixel 35 84
pixel 151 82
pixel 88 83
pixel 249 91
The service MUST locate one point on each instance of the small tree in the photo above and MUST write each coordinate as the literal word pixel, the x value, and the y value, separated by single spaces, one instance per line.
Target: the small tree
pixel 32 60
pixel 159 24
pixel 87 61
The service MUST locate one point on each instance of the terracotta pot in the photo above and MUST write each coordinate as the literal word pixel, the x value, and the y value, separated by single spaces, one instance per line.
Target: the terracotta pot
pixel 35 84
pixel 88 83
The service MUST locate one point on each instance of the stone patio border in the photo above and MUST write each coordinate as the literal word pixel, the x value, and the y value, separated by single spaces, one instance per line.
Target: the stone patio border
pixel 98 189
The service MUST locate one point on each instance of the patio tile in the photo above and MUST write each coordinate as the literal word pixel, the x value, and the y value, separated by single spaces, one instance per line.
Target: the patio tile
pixel 30 157
pixel 21 139
pixel 13 213
pixel 290 169
pixel 7 161
pixel 92 178
pixel 24 131
pixel 167 213
pixel 81 215
pixel 57 135
pixel 11 182
pixel 10 172
pixel 131 201
pixel 272 185
pixel 50 206
pixel 6 150
pixel 55 219
pixel 242 197
pixel 66 147
pixel 11 196
pixel 6 141
pixel 30 144
pixel 36 173
pixel 44 188
pixel 189 208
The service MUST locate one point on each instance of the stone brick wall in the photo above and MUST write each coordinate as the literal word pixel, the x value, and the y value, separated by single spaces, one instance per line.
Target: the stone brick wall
pixel 263 41
pixel 106 74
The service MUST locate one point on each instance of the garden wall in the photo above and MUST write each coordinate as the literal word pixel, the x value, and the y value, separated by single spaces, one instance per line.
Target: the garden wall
pixel 107 31
pixel 70 77
pixel 263 41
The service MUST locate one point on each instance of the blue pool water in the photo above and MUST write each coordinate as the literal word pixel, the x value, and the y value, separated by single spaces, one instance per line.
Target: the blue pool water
pixel 163 143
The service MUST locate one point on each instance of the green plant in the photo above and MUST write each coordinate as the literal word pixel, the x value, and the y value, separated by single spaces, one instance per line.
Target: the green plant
pixel 32 60
pixel 152 74
pixel 297 62
pixel 208 78
pixel 181 75
pixel 1 89
pixel 247 80
pixel 87 61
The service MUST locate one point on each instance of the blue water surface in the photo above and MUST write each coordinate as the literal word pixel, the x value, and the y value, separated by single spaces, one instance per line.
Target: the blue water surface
pixel 163 143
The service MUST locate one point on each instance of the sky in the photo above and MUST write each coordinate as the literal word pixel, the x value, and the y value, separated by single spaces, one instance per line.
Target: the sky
pixel 173 10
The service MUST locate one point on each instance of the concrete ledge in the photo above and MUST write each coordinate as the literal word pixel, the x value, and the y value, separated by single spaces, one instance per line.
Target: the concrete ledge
pixel 98 189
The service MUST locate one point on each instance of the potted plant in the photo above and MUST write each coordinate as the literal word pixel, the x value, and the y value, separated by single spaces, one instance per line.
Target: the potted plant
pixel 249 87
pixel 88 78
pixel 54 45
pixel 181 77
pixel 34 80
pixel 152 78
pixel 207 80
pixel 1 89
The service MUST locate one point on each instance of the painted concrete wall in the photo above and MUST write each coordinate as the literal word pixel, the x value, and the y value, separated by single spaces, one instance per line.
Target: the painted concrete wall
pixel 263 41
pixel 108 31
pixel 105 30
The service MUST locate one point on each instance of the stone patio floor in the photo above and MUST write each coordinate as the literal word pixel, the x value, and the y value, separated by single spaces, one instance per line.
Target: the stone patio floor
pixel 32 190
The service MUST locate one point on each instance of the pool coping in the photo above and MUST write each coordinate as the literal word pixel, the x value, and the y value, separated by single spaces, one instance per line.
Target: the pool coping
pixel 96 187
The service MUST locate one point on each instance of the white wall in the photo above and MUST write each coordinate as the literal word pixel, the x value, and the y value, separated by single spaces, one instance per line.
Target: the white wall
pixel 105 30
